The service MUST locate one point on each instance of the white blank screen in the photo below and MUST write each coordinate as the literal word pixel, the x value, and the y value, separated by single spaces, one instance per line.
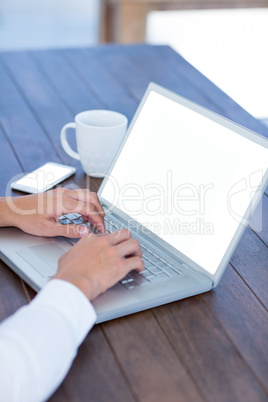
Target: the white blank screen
pixel 187 178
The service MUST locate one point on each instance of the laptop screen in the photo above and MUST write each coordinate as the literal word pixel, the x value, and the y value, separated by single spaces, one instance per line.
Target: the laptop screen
pixel 187 178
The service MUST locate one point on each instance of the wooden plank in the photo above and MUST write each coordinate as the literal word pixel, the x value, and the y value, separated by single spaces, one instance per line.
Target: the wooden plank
pixel 259 220
pixel 149 362
pixel 43 115
pixel 97 76
pixel 48 109
pixel 12 295
pixel 244 320
pixel 95 374
pixel 10 166
pixel 202 345
pixel 135 69
pixel 21 126
pixel 59 396
pixel 250 261
pixel 10 284
pixel 138 65
pixel 22 134
pixel 69 86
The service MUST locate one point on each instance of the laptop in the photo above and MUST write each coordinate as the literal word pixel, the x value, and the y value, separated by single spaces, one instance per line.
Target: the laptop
pixel 185 182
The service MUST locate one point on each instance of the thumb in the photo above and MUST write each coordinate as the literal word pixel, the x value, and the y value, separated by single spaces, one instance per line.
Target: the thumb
pixel 73 231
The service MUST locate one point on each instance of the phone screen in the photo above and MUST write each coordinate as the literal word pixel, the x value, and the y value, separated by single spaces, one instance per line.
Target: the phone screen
pixel 43 178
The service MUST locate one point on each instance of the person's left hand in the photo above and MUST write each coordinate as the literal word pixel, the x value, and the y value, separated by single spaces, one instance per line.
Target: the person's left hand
pixel 38 214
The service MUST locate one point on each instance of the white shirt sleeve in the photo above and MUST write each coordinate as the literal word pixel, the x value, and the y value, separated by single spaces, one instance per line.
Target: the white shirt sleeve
pixel 39 342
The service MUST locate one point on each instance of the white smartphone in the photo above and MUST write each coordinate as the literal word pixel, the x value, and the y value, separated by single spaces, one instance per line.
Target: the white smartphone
pixel 44 178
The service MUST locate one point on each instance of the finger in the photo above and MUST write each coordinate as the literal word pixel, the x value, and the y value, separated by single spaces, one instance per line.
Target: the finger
pixel 73 231
pixel 94 199
pixel 84 231
pixel 86 196
pixel 133 263
pixel 96 226
pixel 129 248
pixel 88 211
pixel 118 237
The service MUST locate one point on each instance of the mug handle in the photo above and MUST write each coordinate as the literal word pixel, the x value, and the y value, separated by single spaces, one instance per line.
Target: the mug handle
pixel 64 141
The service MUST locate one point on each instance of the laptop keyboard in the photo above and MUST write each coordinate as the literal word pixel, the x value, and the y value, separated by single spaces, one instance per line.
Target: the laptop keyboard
pixel 76 219
pixel 156 269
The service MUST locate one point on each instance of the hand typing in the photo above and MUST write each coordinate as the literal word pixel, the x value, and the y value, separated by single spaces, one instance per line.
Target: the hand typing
pixel 38 214
pixel 96 263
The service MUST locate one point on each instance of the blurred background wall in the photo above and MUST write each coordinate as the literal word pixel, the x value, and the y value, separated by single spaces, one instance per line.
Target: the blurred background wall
pixel 229 46
pixel 33 24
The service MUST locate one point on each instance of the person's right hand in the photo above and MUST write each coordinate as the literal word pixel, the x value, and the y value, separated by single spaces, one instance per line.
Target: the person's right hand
pixel 96 263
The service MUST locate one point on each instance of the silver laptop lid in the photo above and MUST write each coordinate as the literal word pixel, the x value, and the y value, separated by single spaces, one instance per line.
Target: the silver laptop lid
pixel 189 177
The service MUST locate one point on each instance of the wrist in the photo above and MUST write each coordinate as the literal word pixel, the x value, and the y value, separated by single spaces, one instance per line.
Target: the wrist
pixel 7 217
pixel 80 282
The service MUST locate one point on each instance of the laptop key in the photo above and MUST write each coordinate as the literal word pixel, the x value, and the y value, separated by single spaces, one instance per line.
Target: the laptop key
pixel 78 221
pixel 72 216
pixel 161 264
pixel 139 280
pixel 154 270
pixel 110 228
pixel 159 277
pixel 117 227
pixel 147 263
pixel 145 253
pixel 146 274
pixel 129 285
pixel 64 221
pixel 153 259
pixel 171 272
pixel 175 269
pixel 127 278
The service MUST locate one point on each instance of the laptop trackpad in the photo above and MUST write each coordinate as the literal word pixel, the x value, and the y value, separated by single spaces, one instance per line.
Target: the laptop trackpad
pixel 43 258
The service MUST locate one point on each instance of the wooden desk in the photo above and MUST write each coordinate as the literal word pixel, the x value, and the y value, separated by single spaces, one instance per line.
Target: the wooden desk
pixel 212 347
pixel 124 21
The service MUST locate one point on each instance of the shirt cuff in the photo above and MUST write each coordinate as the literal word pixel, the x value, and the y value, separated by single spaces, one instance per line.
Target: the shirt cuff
pixel 70 302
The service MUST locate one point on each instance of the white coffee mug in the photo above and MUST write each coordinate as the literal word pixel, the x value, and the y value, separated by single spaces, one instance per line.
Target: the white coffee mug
pixel 98 136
